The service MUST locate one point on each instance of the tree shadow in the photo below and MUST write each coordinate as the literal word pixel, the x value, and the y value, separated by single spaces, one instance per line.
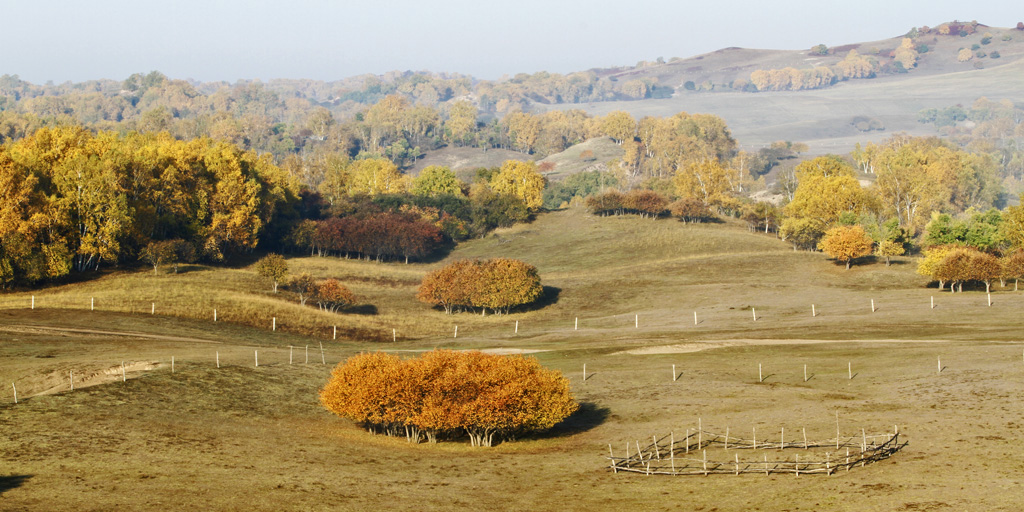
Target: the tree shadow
pixel 587 417
pixel 12 482
pixel 362 309
pixel 548 297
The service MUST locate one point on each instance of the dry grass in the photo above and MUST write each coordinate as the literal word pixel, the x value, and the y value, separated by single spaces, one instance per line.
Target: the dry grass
pixel 252 438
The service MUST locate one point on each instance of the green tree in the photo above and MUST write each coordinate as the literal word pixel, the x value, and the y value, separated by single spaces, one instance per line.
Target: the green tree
pixel 436 180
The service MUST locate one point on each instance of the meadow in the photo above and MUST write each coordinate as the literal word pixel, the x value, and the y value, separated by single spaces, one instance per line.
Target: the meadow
pixel 252 437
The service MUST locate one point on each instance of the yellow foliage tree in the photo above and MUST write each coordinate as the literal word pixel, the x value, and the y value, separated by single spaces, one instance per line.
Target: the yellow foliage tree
pixel 845 243
pixel 705 180
pixel 906 54
pixel 521 180
pixel 619 125
pixel 373 176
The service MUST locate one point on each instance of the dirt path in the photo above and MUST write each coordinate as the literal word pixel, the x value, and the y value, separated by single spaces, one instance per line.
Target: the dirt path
pixel 697 346
pixel 39 329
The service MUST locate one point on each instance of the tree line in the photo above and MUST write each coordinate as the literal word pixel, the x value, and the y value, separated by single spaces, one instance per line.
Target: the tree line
pixel 75 200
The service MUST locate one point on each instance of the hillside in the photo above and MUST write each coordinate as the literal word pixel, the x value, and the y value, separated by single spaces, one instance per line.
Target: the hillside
pixel 220 432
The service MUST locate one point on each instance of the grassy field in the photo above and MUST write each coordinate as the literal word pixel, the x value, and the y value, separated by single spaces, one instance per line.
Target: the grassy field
pixel 254 438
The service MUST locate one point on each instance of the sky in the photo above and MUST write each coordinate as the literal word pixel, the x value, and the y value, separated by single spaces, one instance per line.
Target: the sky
pixel 212 40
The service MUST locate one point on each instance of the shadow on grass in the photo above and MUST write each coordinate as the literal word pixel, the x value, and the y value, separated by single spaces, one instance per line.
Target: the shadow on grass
pixel 548 297
pixel 587 417
pixel 12 482
pixel 362 309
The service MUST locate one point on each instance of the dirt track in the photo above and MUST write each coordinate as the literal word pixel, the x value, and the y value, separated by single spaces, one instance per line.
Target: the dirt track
pixel 39 329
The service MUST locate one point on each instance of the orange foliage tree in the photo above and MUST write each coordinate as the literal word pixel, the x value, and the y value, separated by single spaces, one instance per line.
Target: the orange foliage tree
pixel 331 295
pixel 443 394
pixel 498 284
pixel 844 243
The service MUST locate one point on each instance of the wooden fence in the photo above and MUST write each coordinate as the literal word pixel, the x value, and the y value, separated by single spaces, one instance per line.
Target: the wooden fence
pixel 666 456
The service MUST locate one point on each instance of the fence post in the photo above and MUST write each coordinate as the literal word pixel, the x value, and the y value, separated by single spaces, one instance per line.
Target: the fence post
pixel 92 303
pixel 273 325
pixel 152 308
pixel 33 305
pixel 754 311
pixel 15 392
pixel 256 354
pixel 124 378
pixel 323 360
pixel 872 305
pixel 218 359
pixel 290 354
pixel 307 354
pixel 214 314
pixel 335 333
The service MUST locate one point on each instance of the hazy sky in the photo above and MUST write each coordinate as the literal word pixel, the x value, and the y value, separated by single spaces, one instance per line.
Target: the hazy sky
pixel 208 40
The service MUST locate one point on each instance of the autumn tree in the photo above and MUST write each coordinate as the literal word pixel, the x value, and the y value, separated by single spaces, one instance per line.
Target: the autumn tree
pixel 619 125
pixel 373 176
pixel 984 268
pixel 647 203
pixel 1013 267
pixel 845 243
pixel 272 267
pixel 521 180
pixel 906 53
pixel 304 285
pixel 158 253
pixel 436 180
pixel 609 202
pixel 705 180
pixel 955 268
pixel 931 260
pixel 690 210
pixel 461 121
pixel 498 284
pixel 331 295
pixel 444 394
pixel 887 249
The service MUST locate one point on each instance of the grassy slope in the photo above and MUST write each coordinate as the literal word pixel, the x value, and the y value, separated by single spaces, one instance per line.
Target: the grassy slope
pixel 254 438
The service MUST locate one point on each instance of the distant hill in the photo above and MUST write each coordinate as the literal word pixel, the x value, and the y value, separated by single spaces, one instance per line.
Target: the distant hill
pixel 826 118
pixel 465 159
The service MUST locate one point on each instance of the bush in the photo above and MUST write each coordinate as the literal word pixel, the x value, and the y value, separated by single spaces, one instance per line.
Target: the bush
pixel 498 284
pixel 691 209
pixel 444 393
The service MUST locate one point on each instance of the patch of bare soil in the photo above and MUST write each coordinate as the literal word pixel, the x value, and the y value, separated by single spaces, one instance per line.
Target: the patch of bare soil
pixel 57 381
